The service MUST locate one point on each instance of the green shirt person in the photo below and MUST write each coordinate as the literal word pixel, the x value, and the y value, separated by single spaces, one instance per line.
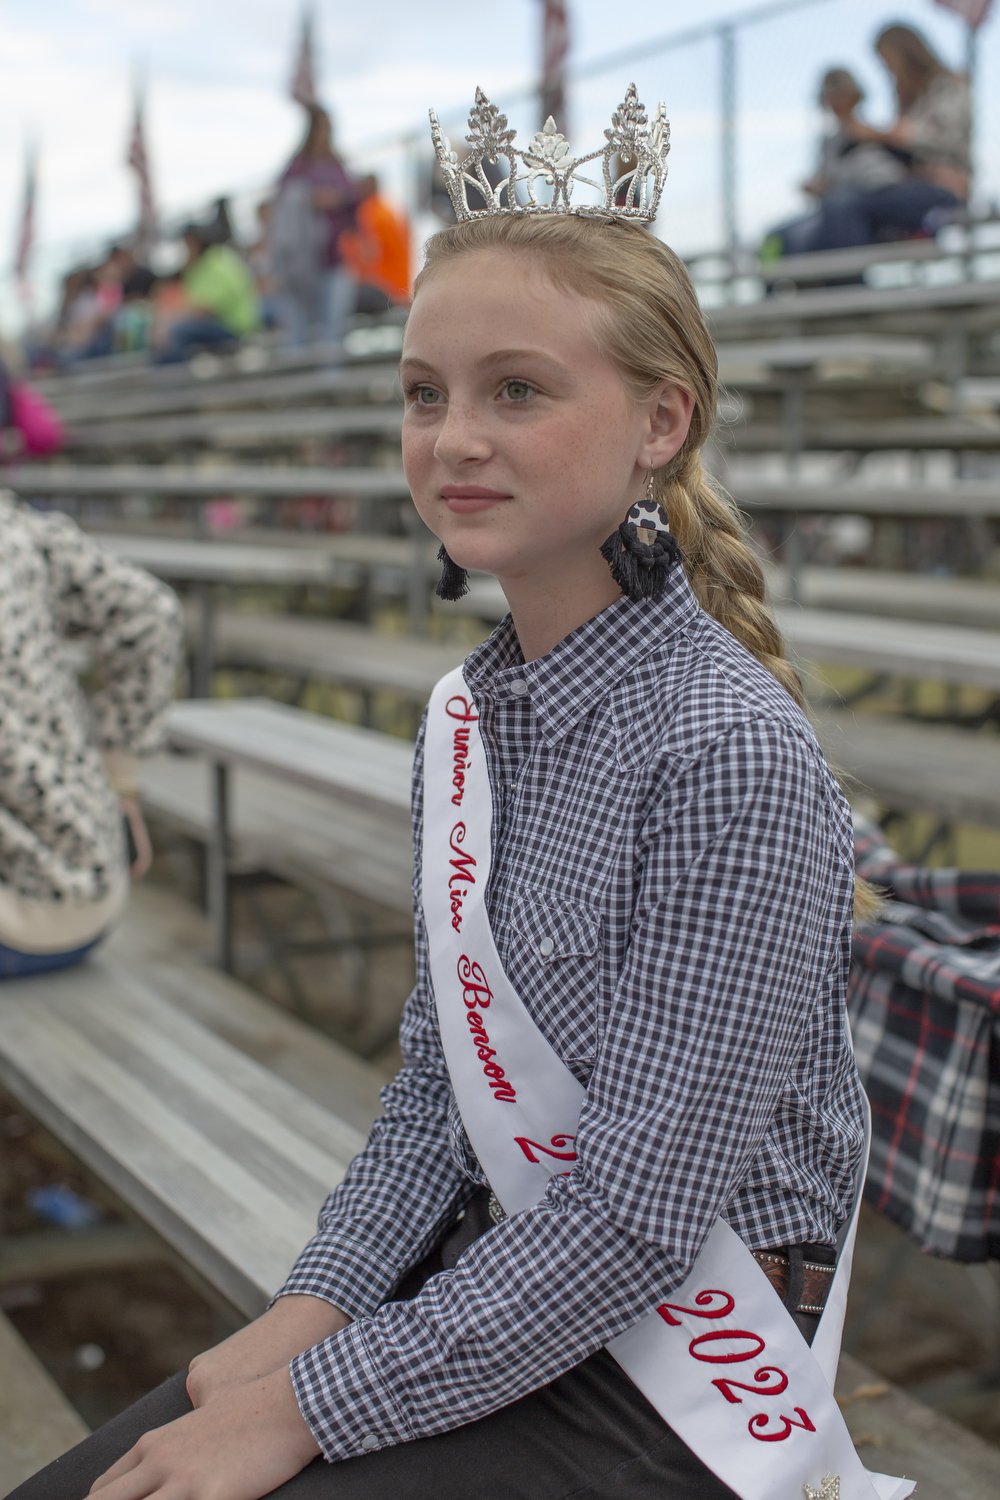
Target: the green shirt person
pixel 218 282
pixel 220 302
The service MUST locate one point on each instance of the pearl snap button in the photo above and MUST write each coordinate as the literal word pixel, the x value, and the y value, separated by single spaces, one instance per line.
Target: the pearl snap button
pixel 369 1444
pixel 519 687
pixel 546 947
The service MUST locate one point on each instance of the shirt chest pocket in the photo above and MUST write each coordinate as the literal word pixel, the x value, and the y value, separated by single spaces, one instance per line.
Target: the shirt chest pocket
pixel 553 958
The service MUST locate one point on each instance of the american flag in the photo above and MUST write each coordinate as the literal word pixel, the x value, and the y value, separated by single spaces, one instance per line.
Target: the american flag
pixel 138 159
pixel 973 12
pixel 555 50
pixel 26 232
pixel 304 75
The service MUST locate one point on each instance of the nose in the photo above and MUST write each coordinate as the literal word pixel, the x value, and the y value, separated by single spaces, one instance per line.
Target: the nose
pixel 462 436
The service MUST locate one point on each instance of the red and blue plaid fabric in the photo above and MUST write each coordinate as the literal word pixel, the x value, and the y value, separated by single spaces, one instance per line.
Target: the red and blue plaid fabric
pixel 924 1000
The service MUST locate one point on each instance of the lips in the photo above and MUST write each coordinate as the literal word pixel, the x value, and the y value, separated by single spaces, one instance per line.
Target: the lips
pixel 470 492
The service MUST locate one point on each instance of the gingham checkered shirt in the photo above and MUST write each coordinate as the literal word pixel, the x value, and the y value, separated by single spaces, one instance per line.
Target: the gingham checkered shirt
pixel 671 895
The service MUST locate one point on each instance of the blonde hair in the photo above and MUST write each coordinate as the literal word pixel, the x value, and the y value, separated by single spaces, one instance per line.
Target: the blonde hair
pixel 649 324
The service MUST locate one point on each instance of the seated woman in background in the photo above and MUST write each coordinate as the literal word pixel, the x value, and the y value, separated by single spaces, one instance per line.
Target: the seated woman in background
pixel 843 163
pixel 930 138
pixel 68 767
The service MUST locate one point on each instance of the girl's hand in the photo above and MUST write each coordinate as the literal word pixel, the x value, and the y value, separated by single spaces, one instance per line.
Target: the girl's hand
pixel 245 1444
pixel 267 1344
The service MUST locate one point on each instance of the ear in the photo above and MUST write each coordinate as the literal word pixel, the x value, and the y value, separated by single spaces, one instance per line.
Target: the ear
pixel 669 411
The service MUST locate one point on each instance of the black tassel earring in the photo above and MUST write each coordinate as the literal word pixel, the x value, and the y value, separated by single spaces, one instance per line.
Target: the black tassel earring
pixel 454 581
pixel 642 551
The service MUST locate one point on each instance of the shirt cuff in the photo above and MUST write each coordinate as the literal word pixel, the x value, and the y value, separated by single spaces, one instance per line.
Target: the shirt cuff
pixel 343 1272
pixel 342 1399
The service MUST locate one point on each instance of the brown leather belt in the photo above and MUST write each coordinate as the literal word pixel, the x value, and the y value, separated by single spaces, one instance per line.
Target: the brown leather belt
pixel 816 1279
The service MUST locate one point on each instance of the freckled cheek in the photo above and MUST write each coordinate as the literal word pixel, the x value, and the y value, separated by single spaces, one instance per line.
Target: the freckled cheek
pixel 418 455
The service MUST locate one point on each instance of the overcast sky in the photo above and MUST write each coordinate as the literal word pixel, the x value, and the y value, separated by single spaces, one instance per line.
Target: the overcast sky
pixel 219 118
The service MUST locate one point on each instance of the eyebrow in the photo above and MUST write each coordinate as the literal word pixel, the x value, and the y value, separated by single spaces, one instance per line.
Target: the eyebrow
pixel 504 356
pixel 495 357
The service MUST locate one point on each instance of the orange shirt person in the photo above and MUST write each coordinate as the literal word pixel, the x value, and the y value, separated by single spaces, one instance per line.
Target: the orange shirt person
pixel 377 252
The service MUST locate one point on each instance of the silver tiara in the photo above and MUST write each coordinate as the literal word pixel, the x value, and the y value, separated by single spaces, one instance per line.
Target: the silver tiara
pixel 545 179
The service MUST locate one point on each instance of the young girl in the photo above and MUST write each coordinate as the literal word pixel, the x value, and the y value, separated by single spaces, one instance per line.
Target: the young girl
pixel 668 884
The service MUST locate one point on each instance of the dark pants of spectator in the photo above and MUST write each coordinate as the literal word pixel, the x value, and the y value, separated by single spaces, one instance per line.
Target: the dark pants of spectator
pixel 100 344
pixel 188 335
pixel 588 1434
pixel 15 965
pixel 371 300
pixel 854 216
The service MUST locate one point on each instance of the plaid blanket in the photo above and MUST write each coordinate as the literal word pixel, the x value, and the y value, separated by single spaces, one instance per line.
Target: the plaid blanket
pixel 924 999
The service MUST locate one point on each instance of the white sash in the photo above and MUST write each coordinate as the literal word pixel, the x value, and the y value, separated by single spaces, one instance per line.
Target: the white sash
pixel 723 1362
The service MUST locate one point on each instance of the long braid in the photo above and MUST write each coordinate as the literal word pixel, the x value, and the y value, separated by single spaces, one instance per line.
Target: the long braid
pixel 729 583
pixel 722 567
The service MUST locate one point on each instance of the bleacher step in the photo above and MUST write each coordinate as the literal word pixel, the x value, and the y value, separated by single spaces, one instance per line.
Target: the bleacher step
pixel 896 1434
pixel 37 1423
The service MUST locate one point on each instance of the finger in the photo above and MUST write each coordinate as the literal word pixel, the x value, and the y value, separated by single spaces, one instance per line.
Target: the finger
pixel 124 1467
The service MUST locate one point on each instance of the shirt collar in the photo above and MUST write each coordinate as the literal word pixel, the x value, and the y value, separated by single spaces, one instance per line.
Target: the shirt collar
pixel 582 668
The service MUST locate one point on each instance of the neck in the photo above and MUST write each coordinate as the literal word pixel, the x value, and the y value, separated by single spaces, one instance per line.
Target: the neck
pixel 545 616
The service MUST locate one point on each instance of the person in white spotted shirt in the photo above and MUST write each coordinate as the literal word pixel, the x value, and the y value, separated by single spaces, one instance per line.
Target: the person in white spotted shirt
pixel 71 831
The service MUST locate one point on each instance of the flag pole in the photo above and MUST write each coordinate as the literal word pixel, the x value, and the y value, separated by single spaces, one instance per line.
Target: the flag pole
pixel 137 157
pixel 303 81
pixel 555 50
pixel 26 230
pixel 971 58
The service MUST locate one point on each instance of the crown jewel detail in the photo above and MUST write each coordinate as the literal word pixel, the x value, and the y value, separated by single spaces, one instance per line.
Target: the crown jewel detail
pixel 546 178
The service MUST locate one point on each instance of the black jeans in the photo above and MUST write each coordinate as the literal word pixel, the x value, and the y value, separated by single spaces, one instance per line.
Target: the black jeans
pixel 588 1434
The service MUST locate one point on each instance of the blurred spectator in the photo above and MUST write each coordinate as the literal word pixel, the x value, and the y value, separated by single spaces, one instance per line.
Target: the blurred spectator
pixel 219 229
pixel 843 162
pixel 91 315
pixel 70 826
pixel 133 321
pixel 79 314
pixel 218 304
pixel 6 407
pixel 260 259
pixel 134 276
pixel 29 426
pixel 314 205
pixel 167 306
pixel 49 345
pixel 934 112
pixel 931 140
pixel 377 251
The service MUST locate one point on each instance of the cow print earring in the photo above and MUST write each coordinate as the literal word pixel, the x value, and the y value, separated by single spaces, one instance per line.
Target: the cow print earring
pixel 642 551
